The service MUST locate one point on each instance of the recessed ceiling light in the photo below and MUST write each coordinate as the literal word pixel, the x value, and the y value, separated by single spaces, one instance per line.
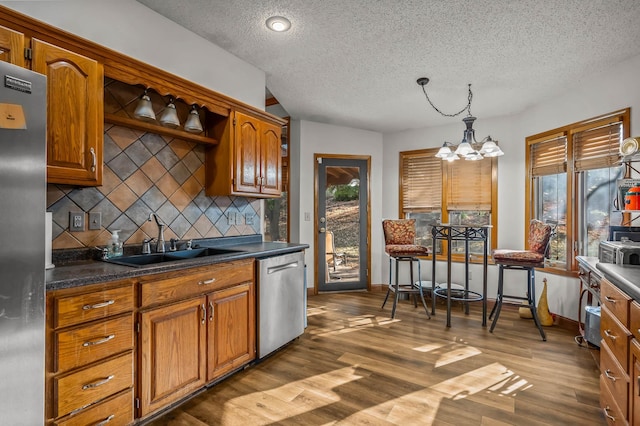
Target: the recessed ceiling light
pixel 278 23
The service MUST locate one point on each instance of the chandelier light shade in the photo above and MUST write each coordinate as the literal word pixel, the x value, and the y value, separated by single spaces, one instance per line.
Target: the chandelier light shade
pixel 469 148
pixel 144 109
pixel 193 124
pixel 169 117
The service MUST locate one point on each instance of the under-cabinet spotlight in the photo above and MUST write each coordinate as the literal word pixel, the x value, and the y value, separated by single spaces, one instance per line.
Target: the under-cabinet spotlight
pixel 193 124
pixel 169 117
pixel 144 109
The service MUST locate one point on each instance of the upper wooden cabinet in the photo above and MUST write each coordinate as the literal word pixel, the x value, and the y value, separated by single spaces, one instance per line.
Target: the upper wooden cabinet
pixel 11 46
pixel 74 114
pixel 247 160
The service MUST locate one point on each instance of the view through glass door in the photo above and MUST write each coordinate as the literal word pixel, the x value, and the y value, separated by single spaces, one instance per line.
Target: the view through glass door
pixel 342 223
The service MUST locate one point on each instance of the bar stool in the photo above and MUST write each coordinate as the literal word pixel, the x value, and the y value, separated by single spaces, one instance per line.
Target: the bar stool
pixel 527 260
pixel 399 239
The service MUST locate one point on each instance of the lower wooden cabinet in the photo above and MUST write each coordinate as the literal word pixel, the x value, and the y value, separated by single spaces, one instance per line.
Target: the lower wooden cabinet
pixel 90 357
pixel 231 331
pixel 173 350
pixel 188 343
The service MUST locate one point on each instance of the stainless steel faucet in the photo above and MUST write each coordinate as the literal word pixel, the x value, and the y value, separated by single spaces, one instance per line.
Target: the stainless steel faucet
pixel 160 242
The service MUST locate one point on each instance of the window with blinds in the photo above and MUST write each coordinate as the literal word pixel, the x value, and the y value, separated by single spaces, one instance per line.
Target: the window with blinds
pixel 571 182
pixel 548 155
pixel 435 191
pixel 597 146
pixel 469 185
pixel 421 180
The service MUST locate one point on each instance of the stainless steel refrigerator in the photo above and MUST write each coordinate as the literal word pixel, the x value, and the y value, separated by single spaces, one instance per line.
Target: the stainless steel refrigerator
pixel 22 244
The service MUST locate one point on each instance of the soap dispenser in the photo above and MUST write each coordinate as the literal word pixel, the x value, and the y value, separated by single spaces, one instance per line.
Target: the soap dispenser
pixel 115 246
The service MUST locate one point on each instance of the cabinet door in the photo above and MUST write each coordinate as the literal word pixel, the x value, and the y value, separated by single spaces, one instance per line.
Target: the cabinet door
pixel 11 46
pixel 173 350
pixel 271 159
pixel 75 119
pixel 634 382
pixel 231 340
pixel 246 154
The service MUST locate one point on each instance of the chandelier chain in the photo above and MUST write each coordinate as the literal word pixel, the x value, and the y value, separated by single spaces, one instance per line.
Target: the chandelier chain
pixel 466 108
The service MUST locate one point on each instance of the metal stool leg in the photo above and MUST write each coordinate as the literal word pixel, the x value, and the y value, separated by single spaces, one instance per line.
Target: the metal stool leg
pixel 388 286
pixel 424 303
pixel 397 293
pixel 531 298
pixel 498 305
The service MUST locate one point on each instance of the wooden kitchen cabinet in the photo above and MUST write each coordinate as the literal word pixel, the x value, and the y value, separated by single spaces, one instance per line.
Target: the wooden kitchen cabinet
pixel 196 325
pixel 231 339
pixel 173 350
pixel 11 46
pixel 90 354
pixel 75 118
pixel 247 161
pixel 615 365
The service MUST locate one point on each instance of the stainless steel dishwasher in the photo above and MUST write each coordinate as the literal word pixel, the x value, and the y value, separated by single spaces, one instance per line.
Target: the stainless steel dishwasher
pixel 281 296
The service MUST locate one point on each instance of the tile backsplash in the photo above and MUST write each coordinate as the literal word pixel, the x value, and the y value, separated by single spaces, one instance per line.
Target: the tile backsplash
pixel 143 173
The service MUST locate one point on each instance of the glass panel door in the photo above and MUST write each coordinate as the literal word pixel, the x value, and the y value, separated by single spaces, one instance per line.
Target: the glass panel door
pixel 342 224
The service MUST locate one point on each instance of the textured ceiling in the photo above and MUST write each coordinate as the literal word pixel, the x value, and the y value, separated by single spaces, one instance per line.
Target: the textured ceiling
pixel 355 62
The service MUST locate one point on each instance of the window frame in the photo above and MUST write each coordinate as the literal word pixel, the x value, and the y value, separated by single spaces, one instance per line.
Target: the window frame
pixel 573 179
pixel 444 199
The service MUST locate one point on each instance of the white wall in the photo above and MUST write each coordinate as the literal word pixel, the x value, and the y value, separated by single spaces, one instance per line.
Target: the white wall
pixel 617 89
pixel 316 138
pixel 129 27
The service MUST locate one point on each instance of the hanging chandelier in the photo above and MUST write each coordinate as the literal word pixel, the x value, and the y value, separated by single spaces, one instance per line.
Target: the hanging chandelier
pixel 469 148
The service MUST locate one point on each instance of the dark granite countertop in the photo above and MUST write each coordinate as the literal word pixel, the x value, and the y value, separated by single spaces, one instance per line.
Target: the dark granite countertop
pixel 625 277
pixel 76 273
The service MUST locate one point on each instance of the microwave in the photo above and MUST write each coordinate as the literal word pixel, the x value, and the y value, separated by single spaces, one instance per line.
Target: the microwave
pixel 619 252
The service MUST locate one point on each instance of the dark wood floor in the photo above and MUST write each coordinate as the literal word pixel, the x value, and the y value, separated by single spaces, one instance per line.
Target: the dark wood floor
pixel 354 365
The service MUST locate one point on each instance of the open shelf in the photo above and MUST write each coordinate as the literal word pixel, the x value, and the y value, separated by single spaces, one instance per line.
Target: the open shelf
pixel 156 128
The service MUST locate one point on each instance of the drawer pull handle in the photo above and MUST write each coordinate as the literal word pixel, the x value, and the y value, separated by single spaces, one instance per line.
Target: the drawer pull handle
pixel 100 341
pixel 607 415
pixel 98 305
pixel 98 383
pixel 204 314
pixel 205 282
pixel 610 299
pixel 609 335
pixel 107 420
pixel 210 311
pixel 611 377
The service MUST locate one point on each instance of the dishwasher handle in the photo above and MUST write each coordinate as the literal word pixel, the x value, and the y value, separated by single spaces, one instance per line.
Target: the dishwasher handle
pixel 274 269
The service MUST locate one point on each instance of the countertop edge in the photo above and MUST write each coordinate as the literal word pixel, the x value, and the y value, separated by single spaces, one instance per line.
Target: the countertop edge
pixel 93 272
pixel 625 277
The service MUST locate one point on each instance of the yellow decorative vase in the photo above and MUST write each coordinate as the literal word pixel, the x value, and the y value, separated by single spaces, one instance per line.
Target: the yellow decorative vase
pixel 545 317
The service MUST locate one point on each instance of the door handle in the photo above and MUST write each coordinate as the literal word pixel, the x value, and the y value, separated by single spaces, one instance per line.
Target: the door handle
pixel 279 268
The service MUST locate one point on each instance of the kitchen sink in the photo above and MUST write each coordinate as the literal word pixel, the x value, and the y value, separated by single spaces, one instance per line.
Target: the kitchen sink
pixel 139 260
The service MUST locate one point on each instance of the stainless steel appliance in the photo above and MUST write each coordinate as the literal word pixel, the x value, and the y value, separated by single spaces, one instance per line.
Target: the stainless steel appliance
pixel 281 296
pixel 619 252
pixel 22 245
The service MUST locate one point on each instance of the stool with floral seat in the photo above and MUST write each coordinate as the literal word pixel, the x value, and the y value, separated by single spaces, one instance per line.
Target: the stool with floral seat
pixel 528 260
pixel 400 246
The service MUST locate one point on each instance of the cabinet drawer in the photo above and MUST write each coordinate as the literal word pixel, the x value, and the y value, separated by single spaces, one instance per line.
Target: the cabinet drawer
pixel 195 281
pixel 615 377
pixel 616 301
pixel 92 384
pixel 84 345
pixel 634 319
pixel 79 308
pixel 612 412
pixel 616 336
pixel 117 411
